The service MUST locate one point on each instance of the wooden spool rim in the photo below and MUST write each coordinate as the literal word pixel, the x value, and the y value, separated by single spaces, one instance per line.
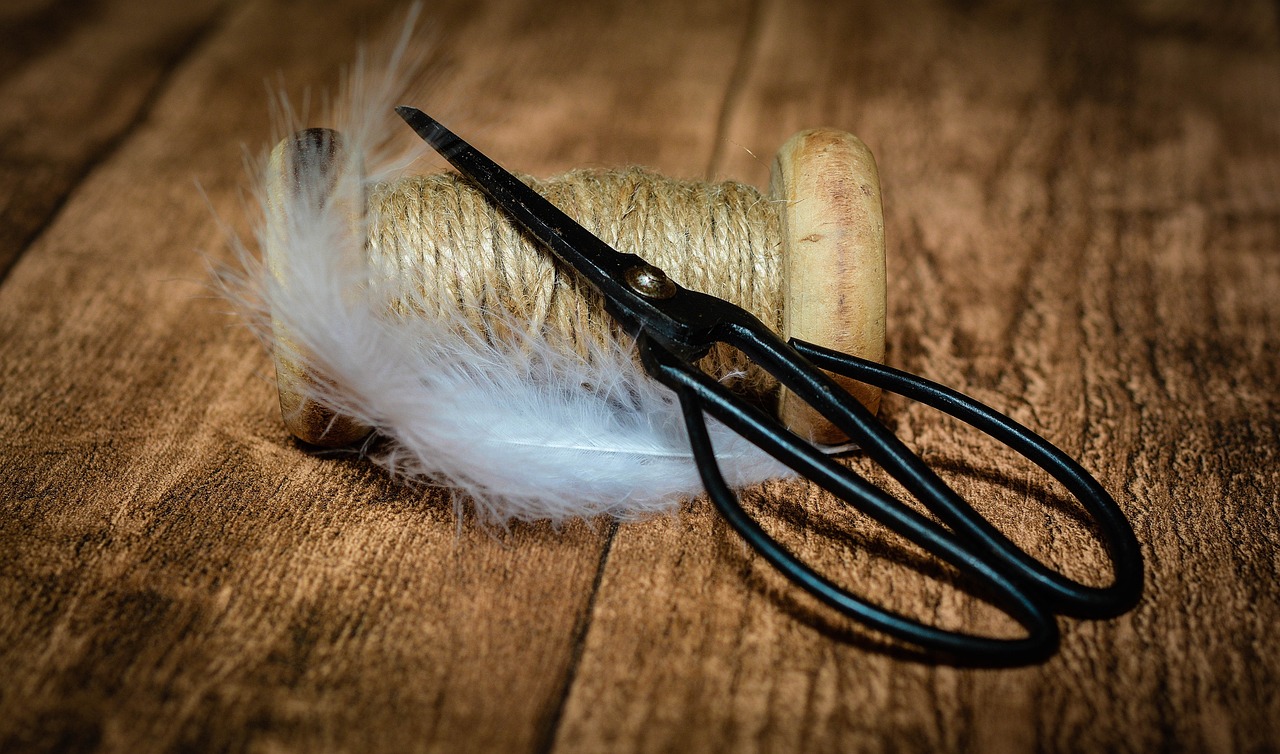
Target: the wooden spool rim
pixel 833 263
pixel 320 150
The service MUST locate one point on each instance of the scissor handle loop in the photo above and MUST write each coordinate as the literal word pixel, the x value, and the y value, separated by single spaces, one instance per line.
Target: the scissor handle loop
pixel 698 393
pixel 1059 593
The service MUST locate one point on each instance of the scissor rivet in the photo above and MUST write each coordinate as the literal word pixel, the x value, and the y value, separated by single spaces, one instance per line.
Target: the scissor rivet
pixel 650 282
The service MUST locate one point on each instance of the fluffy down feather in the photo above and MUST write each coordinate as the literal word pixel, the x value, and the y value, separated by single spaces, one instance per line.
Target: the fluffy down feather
pixel 526 429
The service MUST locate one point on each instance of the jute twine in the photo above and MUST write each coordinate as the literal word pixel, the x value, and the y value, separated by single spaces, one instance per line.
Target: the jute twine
pixel 720 238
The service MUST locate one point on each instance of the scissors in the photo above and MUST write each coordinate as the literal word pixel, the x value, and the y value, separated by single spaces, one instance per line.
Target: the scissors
pixel 674 327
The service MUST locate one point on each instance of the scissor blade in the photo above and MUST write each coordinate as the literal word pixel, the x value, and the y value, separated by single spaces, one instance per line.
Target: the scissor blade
pixel 601 265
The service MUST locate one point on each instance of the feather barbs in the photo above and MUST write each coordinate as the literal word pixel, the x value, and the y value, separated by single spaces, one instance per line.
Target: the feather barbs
pixel 530 421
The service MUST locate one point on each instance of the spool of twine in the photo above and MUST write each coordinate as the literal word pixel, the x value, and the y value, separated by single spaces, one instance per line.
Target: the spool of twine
pixel 807 259
pixel 721 238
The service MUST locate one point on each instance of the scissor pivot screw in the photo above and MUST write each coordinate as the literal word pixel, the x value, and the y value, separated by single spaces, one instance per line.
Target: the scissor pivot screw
pixel 650 282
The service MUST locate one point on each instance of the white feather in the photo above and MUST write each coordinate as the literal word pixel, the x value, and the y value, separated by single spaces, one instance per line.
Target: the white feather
pixel 527 429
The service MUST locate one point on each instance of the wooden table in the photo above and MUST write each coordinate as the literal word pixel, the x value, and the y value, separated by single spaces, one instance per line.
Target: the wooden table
pixel 1083 213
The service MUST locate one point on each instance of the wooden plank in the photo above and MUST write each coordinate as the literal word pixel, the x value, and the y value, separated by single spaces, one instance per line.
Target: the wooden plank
pixel 176 573
pixel 72 83
pixel 1083 212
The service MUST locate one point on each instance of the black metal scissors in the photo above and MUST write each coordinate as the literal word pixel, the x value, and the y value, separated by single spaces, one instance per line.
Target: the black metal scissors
pixel 675 326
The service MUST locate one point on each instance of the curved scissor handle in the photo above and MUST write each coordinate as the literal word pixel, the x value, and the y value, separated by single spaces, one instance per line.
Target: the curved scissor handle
pixel 698 393
pixel 1062 594
pixel 797 367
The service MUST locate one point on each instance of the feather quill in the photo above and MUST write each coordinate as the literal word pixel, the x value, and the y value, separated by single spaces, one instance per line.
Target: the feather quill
pixel 527 428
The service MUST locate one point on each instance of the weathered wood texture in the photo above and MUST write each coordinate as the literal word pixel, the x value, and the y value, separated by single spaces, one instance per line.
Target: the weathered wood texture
pixel 76 78
pixel 1083 216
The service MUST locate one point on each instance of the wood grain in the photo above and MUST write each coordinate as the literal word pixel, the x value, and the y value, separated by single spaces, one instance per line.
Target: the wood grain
pixel 188 577
pixel 73 79
pixel 1083 222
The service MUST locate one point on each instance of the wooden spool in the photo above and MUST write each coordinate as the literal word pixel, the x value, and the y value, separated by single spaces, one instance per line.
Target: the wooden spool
pixel 833 269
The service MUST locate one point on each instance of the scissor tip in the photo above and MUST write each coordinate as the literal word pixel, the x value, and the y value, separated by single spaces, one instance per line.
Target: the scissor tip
pixel 405 111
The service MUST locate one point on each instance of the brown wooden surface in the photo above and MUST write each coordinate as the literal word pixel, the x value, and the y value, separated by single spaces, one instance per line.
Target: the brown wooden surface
pixel 1083 217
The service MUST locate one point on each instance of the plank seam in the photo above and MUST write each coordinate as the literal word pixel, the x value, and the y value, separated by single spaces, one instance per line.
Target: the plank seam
pixel 552 728
pixel 190 46
pixel 737 83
